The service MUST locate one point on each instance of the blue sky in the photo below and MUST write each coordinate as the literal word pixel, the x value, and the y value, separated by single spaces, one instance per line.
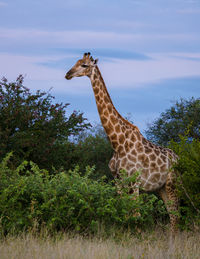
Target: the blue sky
pixel 148 51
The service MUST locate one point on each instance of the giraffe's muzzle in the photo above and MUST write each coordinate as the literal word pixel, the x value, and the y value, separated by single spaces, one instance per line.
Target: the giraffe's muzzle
pixel 68 76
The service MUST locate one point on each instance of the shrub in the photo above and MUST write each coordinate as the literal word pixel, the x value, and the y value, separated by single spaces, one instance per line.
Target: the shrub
pixel 189 173
pixel 94 149
pixel 67 201
pixel 34 127
pixel 174 122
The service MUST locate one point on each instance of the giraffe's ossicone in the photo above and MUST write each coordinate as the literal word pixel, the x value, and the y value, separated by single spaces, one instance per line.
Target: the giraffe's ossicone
pixel 132 152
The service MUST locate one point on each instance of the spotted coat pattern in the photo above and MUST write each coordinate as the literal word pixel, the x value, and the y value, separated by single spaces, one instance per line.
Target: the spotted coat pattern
pixel 132 151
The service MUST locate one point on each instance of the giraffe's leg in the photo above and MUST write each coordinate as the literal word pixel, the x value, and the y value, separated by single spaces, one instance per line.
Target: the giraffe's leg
pixel 112 164
pixel 113 168
pixel 135 191
pixel 163 194
pixel 169 196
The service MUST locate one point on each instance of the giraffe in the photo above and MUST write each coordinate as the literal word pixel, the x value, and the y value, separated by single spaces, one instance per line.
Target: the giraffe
pixel 132 152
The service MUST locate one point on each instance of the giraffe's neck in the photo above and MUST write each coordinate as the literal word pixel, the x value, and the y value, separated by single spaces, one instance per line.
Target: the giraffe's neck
pixel 114 124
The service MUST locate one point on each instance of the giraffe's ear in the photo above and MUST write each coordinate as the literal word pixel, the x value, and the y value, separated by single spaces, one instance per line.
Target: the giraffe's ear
pixel 96 61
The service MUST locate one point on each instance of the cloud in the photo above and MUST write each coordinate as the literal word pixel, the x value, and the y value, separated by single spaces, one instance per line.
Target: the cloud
pixel 187 56
pixel 137 73
pixel 117 73
pixel 131 25
pixel 121 67
pixel 38 76
pixel 189 11
pixel 13 65
pixel 3 4
pixel 191 1
pixel 88 39
pixel 69 38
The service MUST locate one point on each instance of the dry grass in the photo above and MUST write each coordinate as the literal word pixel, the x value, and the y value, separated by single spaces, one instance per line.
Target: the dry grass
pixel 155 246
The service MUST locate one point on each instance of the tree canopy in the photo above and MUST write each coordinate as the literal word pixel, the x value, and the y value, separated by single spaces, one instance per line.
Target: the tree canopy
pixel 34 127
pixel 183 117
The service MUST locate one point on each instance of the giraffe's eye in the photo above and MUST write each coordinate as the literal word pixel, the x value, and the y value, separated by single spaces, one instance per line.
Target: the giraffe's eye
pixel 83 65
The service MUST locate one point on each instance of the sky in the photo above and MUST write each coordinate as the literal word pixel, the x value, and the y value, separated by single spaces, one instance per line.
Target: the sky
pixel 148 51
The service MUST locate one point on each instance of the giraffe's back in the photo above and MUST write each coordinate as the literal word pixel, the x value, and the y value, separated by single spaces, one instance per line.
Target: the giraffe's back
pixel 139 154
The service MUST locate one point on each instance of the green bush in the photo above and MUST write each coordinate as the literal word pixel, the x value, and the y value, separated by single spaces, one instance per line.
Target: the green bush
pixel 189 175
pixel 94 149
pixel 31 198
pixel 174 122
pixel 36 128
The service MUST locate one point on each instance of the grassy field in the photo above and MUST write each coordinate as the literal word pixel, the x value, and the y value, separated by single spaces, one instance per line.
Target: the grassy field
pixel 156 246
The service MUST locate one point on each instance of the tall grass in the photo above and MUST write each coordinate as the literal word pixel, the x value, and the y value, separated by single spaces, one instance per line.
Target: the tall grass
pixel 156 245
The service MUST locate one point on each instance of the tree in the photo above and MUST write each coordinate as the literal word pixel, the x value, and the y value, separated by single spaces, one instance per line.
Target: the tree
pixel 182 117
pixel 35 128
pixel 188 183
pixel 97 151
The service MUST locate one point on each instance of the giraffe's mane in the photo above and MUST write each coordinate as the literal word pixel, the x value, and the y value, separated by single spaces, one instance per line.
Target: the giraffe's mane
pixel 120 116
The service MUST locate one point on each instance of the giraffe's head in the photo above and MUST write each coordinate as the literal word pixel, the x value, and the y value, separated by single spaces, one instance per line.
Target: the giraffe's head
pixel 83 67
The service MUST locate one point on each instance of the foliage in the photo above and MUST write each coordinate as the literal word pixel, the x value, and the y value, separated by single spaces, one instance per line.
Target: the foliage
pixel 35 128
pixel 93 148
pixel 82 199
pixel 30 197
pixel 188 167
pixel 174 122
